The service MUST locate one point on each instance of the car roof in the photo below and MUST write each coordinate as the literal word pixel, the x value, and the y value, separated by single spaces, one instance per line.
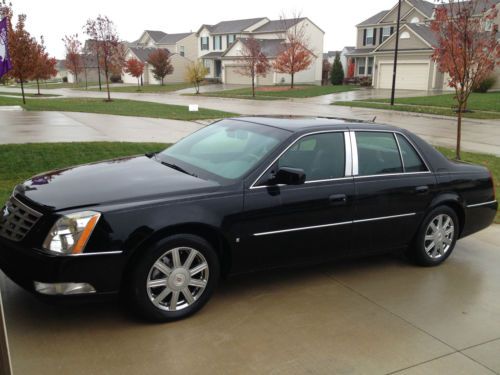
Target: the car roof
pixel 297 124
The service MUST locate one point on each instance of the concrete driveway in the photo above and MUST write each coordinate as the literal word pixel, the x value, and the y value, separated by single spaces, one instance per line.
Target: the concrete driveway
pixel 368 316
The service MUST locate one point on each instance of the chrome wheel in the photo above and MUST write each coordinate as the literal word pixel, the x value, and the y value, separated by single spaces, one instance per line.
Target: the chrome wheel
pixel 177 279
pixel 439 236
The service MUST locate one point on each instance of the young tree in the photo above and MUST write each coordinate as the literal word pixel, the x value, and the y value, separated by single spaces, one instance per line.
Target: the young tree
pixel 253 62
pixel 135 68
pixel 106 44
pixel 160 61
pixel 73 60
pixel 44 66
pixel 337 76
pixel 195 74
pixel 295 55
pixel 466 50
pixel 23 53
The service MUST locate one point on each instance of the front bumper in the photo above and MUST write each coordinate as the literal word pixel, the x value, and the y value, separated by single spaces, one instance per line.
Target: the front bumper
pixel 25 266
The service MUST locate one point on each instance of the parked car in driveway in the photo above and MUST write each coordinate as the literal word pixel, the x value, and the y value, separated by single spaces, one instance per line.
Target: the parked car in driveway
pixel 239 195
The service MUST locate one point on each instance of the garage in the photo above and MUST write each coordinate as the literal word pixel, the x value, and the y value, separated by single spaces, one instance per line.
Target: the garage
pixel 410 76
pixel 233 76
pixel 268 80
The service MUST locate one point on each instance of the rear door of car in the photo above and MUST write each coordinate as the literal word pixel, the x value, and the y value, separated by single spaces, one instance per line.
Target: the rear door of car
pixel 394 187
pixel 299 223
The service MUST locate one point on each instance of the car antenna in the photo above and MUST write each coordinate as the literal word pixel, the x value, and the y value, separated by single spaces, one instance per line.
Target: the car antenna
pixel 374 118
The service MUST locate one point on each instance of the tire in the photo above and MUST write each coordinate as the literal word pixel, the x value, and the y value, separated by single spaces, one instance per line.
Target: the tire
pixel 158 280
pixel 432 246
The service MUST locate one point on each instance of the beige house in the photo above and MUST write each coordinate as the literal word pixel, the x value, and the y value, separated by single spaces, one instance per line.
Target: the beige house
pixel 219 47
pixel 375 45
pixel 181 46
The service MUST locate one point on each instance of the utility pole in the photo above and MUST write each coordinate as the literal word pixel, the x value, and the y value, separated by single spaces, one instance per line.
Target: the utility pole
pixel 395 55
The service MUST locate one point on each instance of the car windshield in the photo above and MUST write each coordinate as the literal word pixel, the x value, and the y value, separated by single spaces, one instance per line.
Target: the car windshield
pixel 227 149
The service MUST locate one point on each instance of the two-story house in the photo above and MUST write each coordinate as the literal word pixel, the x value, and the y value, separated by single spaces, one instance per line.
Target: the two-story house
pixel 220 45
pixel 181 46
pixel 375 45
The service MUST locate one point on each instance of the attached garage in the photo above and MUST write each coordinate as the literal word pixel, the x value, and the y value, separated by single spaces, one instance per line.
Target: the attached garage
pixel 409 76
pixel 232 76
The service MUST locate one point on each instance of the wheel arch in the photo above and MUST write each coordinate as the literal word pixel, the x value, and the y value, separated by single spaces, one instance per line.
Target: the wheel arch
pixel 455 202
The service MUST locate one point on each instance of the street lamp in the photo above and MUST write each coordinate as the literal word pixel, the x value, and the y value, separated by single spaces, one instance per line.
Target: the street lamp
pixel 395 55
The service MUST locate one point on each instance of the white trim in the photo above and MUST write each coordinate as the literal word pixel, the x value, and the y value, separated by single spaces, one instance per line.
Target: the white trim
pixel 355 160
pixel 400 32
pixel 332 224
pixel 348 154
pixel 480 204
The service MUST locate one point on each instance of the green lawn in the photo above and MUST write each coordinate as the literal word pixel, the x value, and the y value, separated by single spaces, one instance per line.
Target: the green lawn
pixel 169 87
pixel 56 85
pixel 28 95
pixel 484 106
pixel 264 94
pixel 19 162
pixel 116 107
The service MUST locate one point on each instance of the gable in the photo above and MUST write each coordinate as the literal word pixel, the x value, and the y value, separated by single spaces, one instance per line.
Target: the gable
pixel 392 15
pixel 414 13
pixel 412 42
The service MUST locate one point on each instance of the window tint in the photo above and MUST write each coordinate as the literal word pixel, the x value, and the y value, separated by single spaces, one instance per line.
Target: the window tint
pixel 321 156
pixel 378 153
pixel 411 159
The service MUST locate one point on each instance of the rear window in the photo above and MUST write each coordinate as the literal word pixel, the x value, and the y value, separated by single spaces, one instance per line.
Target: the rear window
pixel 411 159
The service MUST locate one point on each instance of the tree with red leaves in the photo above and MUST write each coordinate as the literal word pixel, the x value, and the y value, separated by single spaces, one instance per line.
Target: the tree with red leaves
pixel 295 55
pixel 467 50
pixel 135 68
pixel 106 45
pixel 44 66
pixel 73 60
pixel 253 62
pixel 160 61
pixel 23 53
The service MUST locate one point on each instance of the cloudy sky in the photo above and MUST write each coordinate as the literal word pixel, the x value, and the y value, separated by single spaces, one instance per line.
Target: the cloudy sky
pixel 55 18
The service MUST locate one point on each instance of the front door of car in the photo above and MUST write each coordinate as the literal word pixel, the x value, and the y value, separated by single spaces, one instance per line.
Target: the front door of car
pixel 393 186
pixel 286 224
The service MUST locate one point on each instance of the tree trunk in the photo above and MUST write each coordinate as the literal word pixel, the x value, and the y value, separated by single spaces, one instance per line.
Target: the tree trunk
pixel 76 79
pixel 86 81
pixel 459 130
pixel 22 90
pixel 38 86
pixel 293 74
pixel 99 71
pixel 253 85
pixel 138 84
pixel 107 79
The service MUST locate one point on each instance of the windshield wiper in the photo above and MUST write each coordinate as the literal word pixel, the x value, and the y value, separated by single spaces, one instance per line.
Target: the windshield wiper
pixel 178 168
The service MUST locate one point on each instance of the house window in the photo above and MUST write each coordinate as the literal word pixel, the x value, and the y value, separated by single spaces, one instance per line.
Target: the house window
pixel 369 37
pixel 181 50
pixel 370 66
pixel 361 66
pixel 405 35
pixel 386 33
pixel 204 43
pixel 230 39
pixel 415 20
pixel 218 42
pixel 488 25
pixel 207 65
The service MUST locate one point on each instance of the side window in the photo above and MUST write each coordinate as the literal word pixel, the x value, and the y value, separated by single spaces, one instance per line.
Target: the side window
pixel 321 156
pixel 378 153
pixel 411 159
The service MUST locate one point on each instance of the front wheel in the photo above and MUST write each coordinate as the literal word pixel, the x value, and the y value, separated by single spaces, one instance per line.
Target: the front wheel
pixel 436 237
pixel 174 279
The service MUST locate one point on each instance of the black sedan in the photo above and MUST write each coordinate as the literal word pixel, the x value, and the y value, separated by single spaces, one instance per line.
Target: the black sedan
pixel 239 195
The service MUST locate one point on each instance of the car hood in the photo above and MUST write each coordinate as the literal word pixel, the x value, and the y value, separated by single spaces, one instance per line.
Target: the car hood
pixel 122 180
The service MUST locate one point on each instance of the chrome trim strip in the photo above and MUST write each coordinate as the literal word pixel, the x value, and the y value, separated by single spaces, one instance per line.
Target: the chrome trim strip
pixel 332 225
pixel 348 154
pixel 481 204
pixel 392 174
pixel 325 180
pixel 355 160
pixel 384 217
pixel 399 150
pixel 301 228
pixel 91 254
pixel 252 186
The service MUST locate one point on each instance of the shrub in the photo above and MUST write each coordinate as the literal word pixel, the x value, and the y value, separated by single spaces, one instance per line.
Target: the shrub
pixel 65 79
pixel 365 81
pixel 115 78
pixel 337 76
pixel 485 84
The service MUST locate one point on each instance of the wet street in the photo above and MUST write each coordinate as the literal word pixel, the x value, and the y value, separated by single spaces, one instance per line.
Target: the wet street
pixel 365 316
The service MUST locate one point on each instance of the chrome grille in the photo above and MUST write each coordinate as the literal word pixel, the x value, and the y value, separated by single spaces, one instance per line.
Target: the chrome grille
pixel 17 219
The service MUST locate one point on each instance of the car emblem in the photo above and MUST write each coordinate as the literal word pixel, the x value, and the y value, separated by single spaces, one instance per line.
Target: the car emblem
pixel 5 212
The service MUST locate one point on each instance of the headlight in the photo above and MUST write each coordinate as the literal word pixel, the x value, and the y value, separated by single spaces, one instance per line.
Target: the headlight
pixel 70 233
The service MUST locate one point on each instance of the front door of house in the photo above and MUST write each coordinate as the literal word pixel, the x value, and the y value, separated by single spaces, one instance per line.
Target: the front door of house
pixel 218 68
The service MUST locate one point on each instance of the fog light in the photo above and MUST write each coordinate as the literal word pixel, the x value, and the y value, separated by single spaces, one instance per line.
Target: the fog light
pixel 63 288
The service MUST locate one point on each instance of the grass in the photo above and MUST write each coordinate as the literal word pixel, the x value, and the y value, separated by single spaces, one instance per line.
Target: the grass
pixel 116 107
pixel 148 88
pixel 299 92
pixel 56 85
pixel 28 95
pixel 484 106
pixel 19 162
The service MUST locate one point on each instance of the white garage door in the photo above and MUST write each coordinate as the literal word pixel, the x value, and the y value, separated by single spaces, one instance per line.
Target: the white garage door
pixel 414 76
pixel 235 78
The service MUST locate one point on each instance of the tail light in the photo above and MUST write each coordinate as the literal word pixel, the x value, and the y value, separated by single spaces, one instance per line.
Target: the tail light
pixel 494 186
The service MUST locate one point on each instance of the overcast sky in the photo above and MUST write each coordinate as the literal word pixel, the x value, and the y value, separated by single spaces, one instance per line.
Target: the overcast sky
pixel 55 18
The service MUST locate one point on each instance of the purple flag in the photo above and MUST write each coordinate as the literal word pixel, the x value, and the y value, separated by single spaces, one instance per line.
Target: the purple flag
pixel 5 64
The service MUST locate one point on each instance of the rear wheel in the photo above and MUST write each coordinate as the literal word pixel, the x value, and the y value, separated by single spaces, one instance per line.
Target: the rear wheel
pixel 175 279
pixel 436 237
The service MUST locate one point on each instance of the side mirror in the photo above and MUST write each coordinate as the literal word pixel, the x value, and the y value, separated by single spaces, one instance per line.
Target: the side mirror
pixel 289 176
